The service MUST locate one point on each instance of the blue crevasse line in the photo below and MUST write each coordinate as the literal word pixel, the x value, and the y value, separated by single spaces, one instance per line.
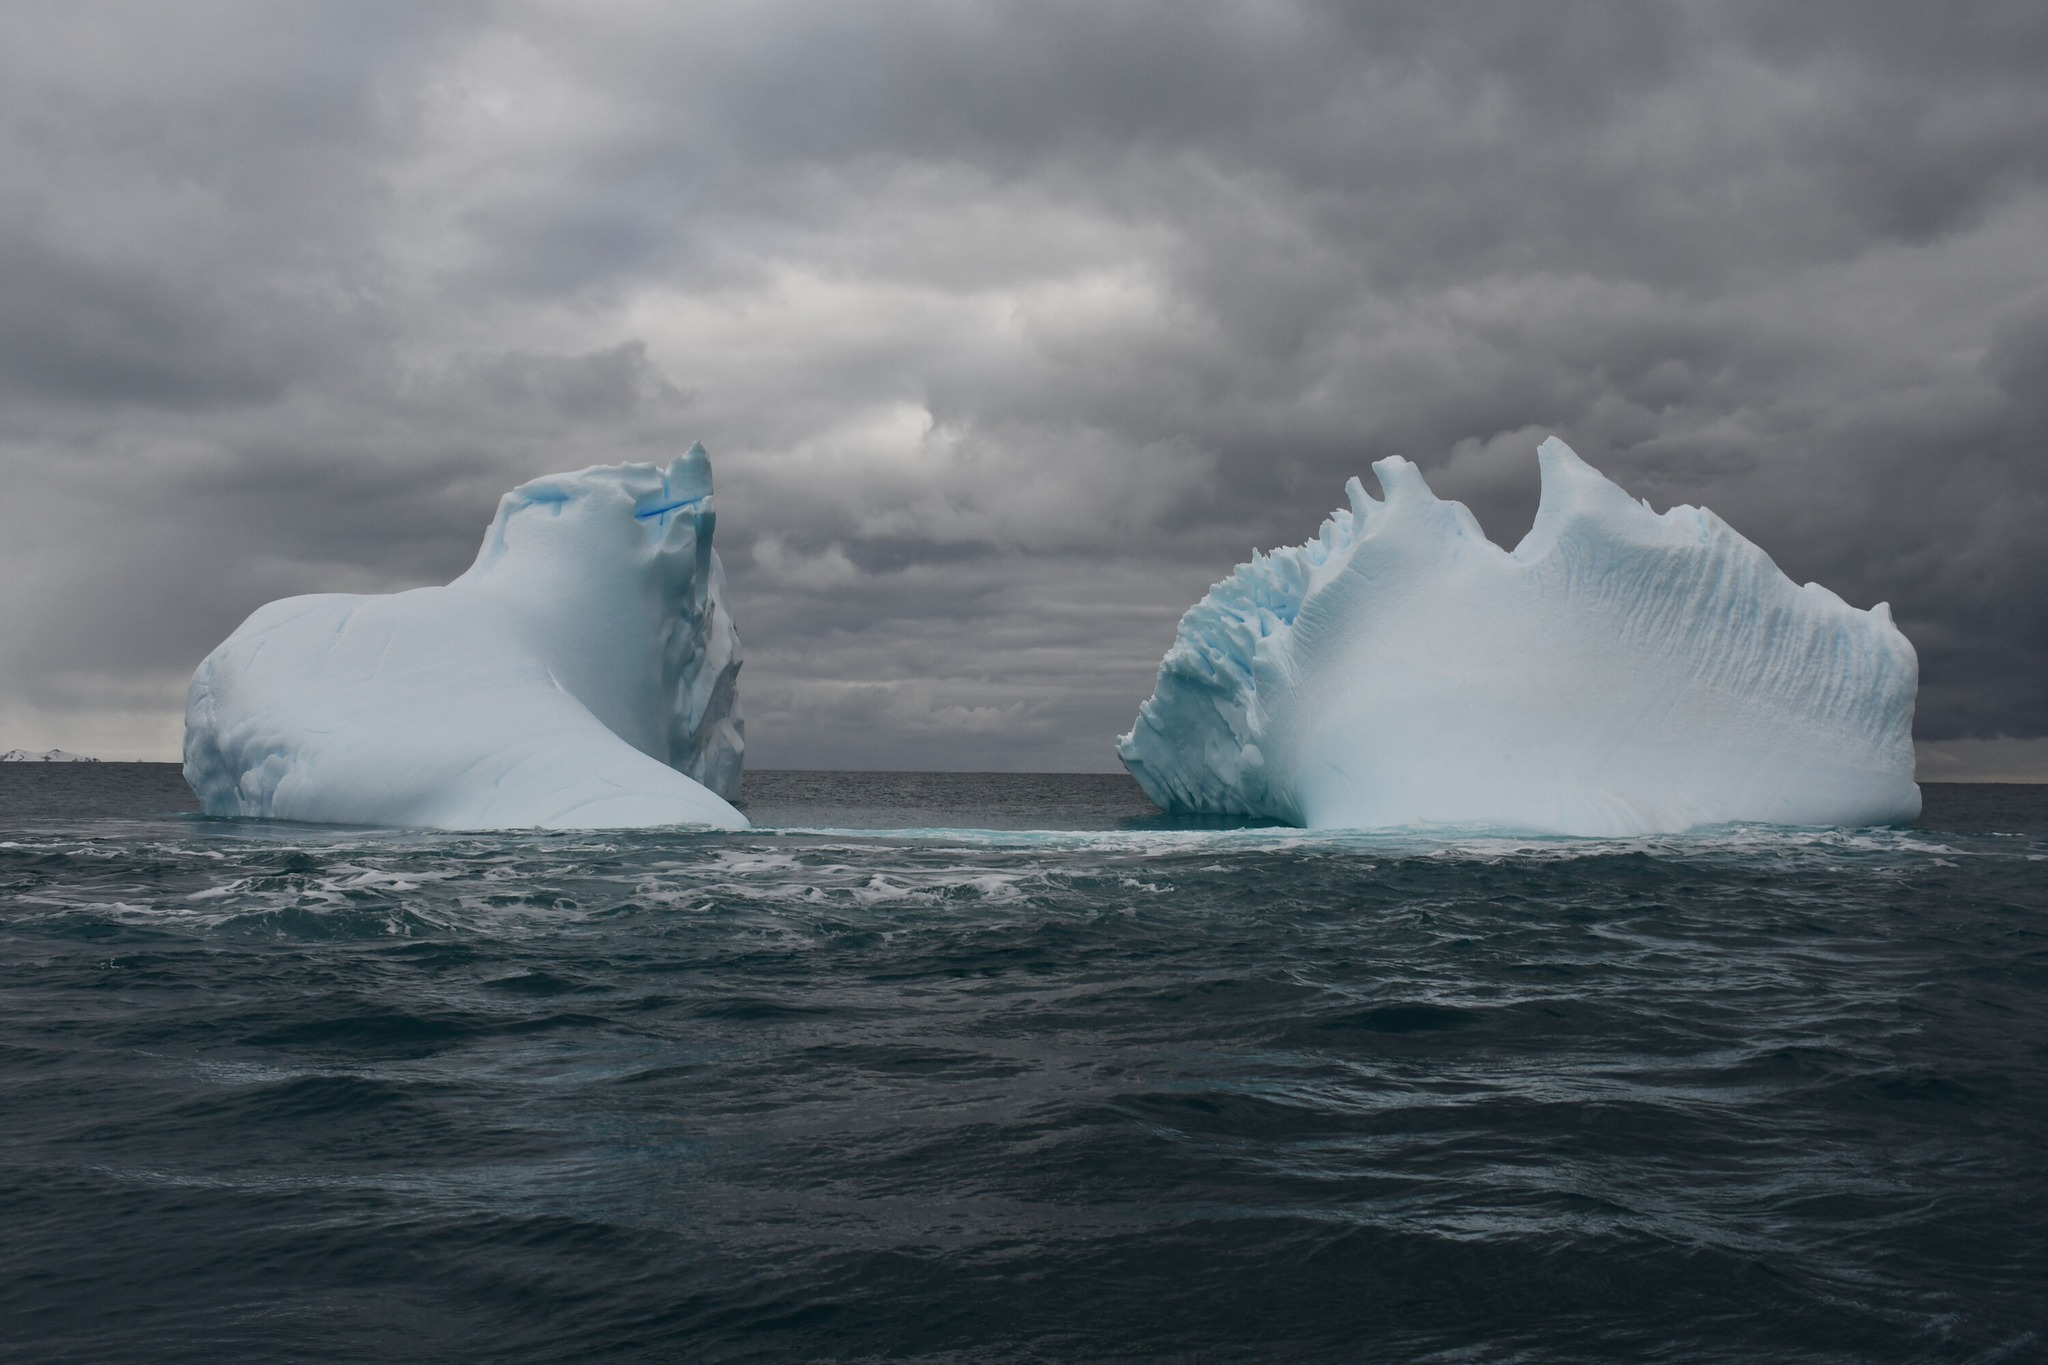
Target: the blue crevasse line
pixel 668 507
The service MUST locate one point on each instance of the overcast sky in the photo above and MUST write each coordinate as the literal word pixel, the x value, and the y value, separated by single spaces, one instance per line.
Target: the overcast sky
pixel 1010 327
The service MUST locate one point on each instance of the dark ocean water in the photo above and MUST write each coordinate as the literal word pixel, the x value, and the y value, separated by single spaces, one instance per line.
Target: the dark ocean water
pixel 1128 1091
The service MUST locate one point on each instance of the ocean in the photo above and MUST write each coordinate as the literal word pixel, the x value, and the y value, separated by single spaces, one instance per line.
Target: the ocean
pixel 982 1067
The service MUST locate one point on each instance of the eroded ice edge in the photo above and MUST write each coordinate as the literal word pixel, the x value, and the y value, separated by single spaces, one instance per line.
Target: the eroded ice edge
pixel 580 675
pixel 1618 673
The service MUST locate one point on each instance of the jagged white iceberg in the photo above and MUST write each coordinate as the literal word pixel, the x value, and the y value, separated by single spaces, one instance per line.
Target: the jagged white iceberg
pixel 1619 672
pixel 580 675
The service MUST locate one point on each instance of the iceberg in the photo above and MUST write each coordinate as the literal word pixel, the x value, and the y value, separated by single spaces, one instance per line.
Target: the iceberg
pixel 1618 673
pixel 581 674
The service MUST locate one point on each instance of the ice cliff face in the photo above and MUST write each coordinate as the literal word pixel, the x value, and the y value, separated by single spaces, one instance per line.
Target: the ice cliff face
pixel 1619 672
pixel 580 675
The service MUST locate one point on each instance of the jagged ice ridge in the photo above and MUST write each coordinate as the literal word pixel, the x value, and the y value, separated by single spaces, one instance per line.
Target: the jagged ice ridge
pixel 582 674
pixel 1619 672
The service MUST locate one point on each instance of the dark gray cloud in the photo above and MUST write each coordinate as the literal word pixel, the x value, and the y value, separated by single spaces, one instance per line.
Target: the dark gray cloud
pixel 1010 326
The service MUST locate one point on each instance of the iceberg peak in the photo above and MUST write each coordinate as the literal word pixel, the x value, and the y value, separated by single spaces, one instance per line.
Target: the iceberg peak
pixel 1363 504
pixel 1620 672
pixel 1401 483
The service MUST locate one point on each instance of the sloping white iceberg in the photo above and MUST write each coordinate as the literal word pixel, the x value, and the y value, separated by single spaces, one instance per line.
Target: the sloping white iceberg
pixel 1619 672
pixel 580 675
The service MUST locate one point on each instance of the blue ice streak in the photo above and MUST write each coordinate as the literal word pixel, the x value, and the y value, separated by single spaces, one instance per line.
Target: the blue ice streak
pixel 668 507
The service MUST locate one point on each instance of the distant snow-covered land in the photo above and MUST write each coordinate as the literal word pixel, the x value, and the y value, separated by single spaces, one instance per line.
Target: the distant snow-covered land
pixel 53 756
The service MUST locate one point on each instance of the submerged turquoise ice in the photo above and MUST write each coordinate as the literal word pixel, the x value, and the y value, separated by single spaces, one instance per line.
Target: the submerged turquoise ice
pixel 1619 672
pixel 581 675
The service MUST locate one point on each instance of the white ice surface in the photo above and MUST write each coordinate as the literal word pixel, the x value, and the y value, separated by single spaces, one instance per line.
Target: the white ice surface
pixel 580 675
pixel 1618 673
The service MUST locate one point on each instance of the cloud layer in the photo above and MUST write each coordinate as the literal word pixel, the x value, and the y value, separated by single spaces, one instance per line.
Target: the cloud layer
pixel 1010 326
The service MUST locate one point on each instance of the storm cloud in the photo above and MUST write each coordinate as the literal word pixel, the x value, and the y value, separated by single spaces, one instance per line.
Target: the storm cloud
pixel 1010 326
